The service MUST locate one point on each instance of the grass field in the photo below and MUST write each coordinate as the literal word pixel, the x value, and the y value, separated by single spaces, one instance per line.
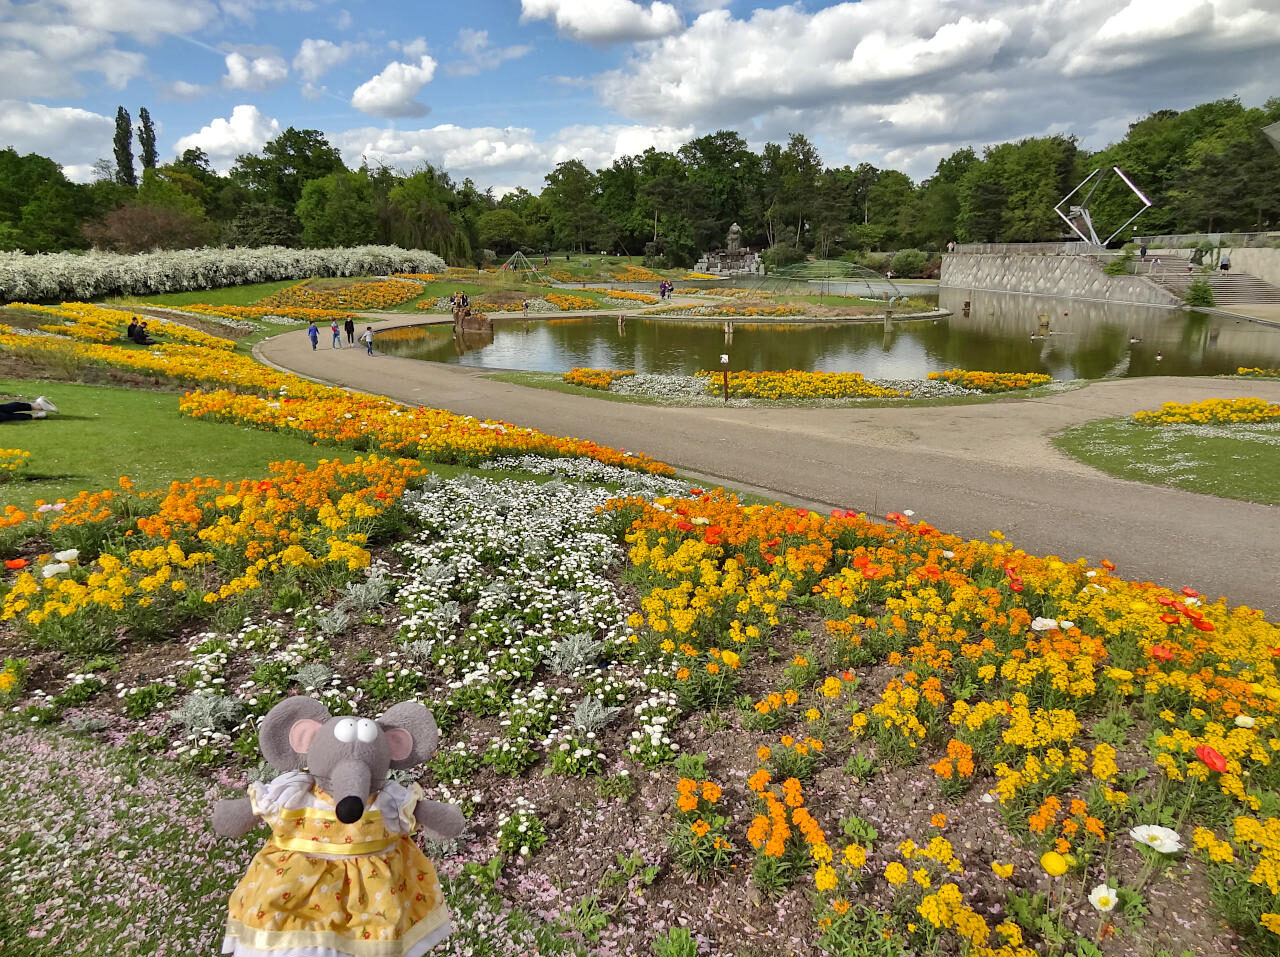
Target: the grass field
pixel 226 296
pixel 101 433
pixel 1233 461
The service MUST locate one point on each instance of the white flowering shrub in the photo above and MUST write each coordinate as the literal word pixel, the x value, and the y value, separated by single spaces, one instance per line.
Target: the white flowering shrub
pixel 58 277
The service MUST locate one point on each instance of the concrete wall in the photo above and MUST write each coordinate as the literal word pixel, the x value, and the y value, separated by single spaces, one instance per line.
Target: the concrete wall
pixel 1065 277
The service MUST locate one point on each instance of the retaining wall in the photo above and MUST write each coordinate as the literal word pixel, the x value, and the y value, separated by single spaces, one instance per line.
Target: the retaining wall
pixel 1064 277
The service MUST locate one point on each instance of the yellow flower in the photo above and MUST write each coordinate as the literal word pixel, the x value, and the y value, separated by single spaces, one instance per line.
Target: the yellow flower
pixel 1054 864
pixel 895 874
pixel 1002 871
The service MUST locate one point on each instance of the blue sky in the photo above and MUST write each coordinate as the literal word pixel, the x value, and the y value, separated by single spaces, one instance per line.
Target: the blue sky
pixel 501 90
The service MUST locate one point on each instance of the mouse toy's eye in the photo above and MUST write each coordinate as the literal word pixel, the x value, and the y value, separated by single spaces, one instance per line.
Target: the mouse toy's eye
pixel 367 730
pixel 345 731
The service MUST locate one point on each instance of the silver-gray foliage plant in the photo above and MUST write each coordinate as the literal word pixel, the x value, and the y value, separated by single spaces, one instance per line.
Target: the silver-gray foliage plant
pixel 573 653
pixel 208 711
pixel 591 714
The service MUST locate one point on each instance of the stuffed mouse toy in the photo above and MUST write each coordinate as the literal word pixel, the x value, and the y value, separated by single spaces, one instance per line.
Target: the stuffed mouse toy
pixel 340 876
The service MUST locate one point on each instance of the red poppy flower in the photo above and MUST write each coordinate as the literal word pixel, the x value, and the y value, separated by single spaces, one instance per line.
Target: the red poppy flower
pixel 1170 619
pixel 1211 758
pixel 1161 653
pixel 1190 592
pixel 695 491
pixel 15 563
pixel 770 559
pixel 684 526
pixel 837 513
pixel 1203 625
pixel 1108 565
pixel 712 540
pixel 847 675
pixel 1165 600
pixel 1016 585
pixel 802 512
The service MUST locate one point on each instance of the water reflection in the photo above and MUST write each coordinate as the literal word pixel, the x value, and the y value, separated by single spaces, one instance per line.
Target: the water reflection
pixel 1001 333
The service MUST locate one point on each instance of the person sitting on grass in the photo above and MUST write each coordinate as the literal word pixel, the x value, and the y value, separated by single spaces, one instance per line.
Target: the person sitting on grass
pixel 141 336
pixel 20 411
pixel 133 327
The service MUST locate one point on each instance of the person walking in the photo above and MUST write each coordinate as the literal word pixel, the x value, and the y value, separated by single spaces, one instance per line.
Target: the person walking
pixel 337 336
pixel 313 333
pixel 350 327
pixel 367 339
pixel 26 411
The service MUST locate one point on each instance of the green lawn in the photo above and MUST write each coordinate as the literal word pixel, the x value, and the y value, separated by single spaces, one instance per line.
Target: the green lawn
pixel 102 433
pixel 226 296
pixel 1232 461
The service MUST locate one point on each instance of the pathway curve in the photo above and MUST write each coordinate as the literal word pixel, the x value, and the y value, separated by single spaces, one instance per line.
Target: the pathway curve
pixel 965 469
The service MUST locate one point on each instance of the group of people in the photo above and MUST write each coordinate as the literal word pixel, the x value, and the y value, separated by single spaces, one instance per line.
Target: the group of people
pixel 137 332
pixel 665 289
pixel 460 300
pixel 313 333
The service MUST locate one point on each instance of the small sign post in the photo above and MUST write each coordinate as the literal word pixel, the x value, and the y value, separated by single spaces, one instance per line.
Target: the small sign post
pixel 724 371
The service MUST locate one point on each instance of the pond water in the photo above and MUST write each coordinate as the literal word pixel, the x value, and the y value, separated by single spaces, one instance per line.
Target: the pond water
pixel 1085 341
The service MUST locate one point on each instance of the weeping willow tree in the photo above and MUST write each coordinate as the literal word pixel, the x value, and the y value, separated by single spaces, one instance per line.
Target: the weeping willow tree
pixel 420 218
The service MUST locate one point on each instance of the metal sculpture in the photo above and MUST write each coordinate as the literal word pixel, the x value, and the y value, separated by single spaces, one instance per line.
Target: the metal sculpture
pixel 1272 133
pixel 1078 216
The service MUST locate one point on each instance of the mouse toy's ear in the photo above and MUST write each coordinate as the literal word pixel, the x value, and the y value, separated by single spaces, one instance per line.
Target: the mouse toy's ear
pixel 286 733
pixel 411 733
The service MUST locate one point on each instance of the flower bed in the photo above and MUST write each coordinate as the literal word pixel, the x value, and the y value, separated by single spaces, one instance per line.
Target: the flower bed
pixel 636 274
pixel 1210 411
pixel 333 415
pixel 992 381
pixel 321 412
pixel 569 303
pixel 158 560
pixel 727 312
pixel 798 385
pixel 12 462
pixel 298 314
pixel 595 378
pixel 54 277
pixel 369 294
pixel 623 296
pixel 1261 373
pixel 90 323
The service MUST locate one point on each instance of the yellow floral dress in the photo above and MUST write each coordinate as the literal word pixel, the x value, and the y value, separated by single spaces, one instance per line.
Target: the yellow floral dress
pixel 321 888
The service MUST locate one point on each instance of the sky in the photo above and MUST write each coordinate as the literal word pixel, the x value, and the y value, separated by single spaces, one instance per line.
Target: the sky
pixel 502 90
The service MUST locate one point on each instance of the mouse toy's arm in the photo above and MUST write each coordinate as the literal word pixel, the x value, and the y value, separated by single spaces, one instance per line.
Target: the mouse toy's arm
pixel 234 818
pixel 439 820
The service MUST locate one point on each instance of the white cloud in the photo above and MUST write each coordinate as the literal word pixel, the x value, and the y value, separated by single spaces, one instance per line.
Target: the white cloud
pixel 413 48
pixel 143 19
pixel 72 136
pixel 606 21
pixel 514 153
pixel 184 91
pixel 258 73
pixel 391 93
pixel 479 55
pixel 224 139
pixel 27 73
pixel 65 40
pixel 903 81
pixel 117 67
pixel 315 58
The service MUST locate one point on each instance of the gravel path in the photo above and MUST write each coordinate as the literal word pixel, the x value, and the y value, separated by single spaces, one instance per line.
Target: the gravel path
pixel 965 469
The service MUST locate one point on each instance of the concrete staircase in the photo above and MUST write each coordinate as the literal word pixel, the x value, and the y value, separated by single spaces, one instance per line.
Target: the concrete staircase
pixel 1230 288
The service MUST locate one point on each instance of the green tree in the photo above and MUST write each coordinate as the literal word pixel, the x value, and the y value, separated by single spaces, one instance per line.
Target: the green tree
pixel 422 219
pixel 261 224
pixel 50 219
pixel 337 210
pixel 570 197
pixel 286 164
pixel 501 230
pixel 123 147
pixel 146 139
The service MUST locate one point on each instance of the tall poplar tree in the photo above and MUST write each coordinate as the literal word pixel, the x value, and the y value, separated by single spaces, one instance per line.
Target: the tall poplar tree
pixel 123 144
pixel 147 139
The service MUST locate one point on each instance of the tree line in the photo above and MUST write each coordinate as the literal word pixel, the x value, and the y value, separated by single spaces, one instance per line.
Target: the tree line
pixel 1208 168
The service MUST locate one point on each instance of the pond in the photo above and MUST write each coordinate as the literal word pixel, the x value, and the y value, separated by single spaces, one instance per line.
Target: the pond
pixel 1001 333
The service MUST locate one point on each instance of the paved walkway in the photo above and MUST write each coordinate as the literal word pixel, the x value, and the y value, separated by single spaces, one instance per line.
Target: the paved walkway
pixel 965 469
